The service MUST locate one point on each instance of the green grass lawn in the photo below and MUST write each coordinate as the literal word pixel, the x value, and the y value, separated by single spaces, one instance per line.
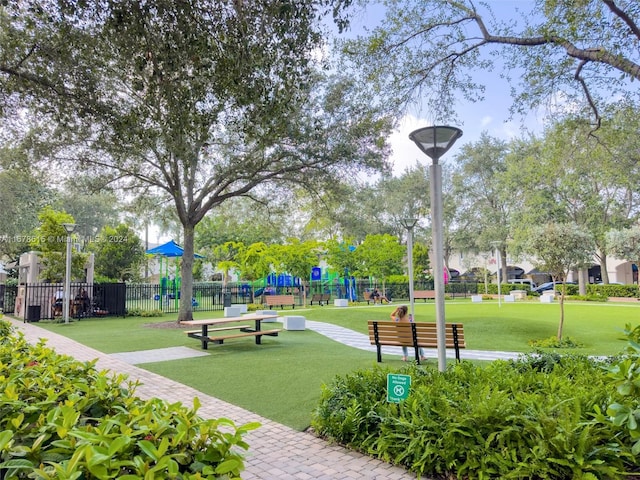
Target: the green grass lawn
pixel 281 378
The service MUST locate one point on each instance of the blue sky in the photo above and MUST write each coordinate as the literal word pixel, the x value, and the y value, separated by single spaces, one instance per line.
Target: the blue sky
pixel 490 115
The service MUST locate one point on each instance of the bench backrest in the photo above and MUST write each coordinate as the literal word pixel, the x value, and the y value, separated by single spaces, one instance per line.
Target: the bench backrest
pixel 424 294
pixel 279 299
pixel 396 333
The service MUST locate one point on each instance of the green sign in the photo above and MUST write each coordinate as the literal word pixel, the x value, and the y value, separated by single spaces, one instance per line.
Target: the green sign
pixel 398 387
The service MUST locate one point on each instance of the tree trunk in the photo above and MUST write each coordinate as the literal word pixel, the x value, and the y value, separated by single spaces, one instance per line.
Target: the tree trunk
pixel 604 273
pixel 561 324
pixel 304 292
pixel 185 311
pixel 583 279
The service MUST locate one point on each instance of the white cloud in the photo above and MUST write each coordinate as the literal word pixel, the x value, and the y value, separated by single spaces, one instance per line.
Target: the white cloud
pixel 405 153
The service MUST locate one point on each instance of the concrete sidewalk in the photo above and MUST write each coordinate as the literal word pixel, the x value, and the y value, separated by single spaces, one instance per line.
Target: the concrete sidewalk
pixel 276 452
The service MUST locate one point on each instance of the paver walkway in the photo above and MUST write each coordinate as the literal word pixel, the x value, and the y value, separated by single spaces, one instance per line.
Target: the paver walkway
pixel 277 452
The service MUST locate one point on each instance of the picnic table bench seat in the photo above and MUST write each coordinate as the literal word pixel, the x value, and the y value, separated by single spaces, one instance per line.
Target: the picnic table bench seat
pixel 415 335
pixel 219 339
pixel 191 333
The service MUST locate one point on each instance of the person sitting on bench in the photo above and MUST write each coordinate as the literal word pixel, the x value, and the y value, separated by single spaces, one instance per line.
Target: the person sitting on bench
pixel 378 297
pixel 400 315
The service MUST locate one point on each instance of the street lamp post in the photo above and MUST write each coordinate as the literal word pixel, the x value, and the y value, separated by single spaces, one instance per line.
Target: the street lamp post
pixel 496 244
pixel 435 142
pixel 409 224
pixel 69 228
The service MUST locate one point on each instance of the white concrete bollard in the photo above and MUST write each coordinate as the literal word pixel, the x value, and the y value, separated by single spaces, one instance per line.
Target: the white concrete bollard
pixel 231 312
pixel 293 322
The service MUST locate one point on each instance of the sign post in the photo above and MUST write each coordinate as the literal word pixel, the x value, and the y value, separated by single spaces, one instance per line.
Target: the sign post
pixel 398 387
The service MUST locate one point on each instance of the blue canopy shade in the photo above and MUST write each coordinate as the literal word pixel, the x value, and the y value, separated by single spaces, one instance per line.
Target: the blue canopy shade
pixel 169 249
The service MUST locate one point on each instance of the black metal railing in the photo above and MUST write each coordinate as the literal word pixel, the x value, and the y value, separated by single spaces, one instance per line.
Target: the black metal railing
pixel 35 302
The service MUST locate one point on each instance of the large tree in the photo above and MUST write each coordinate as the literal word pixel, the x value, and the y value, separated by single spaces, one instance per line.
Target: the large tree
pixel 198 100
pixel 119 253
pixel 572 176
pixel 483 202
pixel 582 52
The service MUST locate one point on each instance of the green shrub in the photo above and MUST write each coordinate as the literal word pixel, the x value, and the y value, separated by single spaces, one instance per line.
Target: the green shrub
pixel 531 418
pixel 505 288
pixel 613 290
pixel 553 342
pixel 137 312
pixel 623 408
pixel 62 419
pixel 591 297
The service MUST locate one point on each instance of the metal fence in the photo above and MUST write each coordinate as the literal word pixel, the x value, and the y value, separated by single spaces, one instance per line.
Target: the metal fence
pixel 35 302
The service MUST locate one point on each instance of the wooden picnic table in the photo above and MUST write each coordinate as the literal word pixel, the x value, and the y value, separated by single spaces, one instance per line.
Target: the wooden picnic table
pixel 246 330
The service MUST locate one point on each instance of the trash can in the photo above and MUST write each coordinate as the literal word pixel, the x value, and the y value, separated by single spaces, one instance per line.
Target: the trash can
pixel 33 313
pixel 226 298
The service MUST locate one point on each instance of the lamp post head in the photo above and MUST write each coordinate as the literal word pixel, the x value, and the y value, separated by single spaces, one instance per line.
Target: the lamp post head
pixel 409 223
pixel 69 227
pixel 436 140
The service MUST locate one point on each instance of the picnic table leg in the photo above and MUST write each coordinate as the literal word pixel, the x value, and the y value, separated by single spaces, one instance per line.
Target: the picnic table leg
pixel 204 337
pixel 258 337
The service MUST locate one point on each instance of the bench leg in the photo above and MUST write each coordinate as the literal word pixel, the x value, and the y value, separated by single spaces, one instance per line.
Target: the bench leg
pixel 379 350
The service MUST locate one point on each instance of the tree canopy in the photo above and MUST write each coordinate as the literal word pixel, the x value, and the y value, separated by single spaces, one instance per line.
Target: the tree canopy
pixel 200 101
pixel 582 53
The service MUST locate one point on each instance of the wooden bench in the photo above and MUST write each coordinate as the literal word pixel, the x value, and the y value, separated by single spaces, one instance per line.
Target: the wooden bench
pixel 320 297
pixel 416 335
pixel 424 294
pixel 281 300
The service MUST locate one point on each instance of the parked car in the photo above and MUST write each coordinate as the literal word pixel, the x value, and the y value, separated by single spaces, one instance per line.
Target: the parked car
pixel 545 287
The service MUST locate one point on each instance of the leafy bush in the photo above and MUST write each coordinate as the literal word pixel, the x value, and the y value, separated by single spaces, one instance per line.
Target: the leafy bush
pixel 613 290
pixel 624 403
pixel 553 342
pixel 138 312
pixel 531 418
pixel 588 298
pixel 62 419
pixel 505 288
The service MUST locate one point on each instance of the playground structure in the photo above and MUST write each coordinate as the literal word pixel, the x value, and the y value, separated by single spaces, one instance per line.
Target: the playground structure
pixel 170 283
pixel 321 281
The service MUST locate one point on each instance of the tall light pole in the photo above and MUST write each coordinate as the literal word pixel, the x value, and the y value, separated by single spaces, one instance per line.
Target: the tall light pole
pixel 69 227
pixel 496 244
pixel 435 142
pixel 409 224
